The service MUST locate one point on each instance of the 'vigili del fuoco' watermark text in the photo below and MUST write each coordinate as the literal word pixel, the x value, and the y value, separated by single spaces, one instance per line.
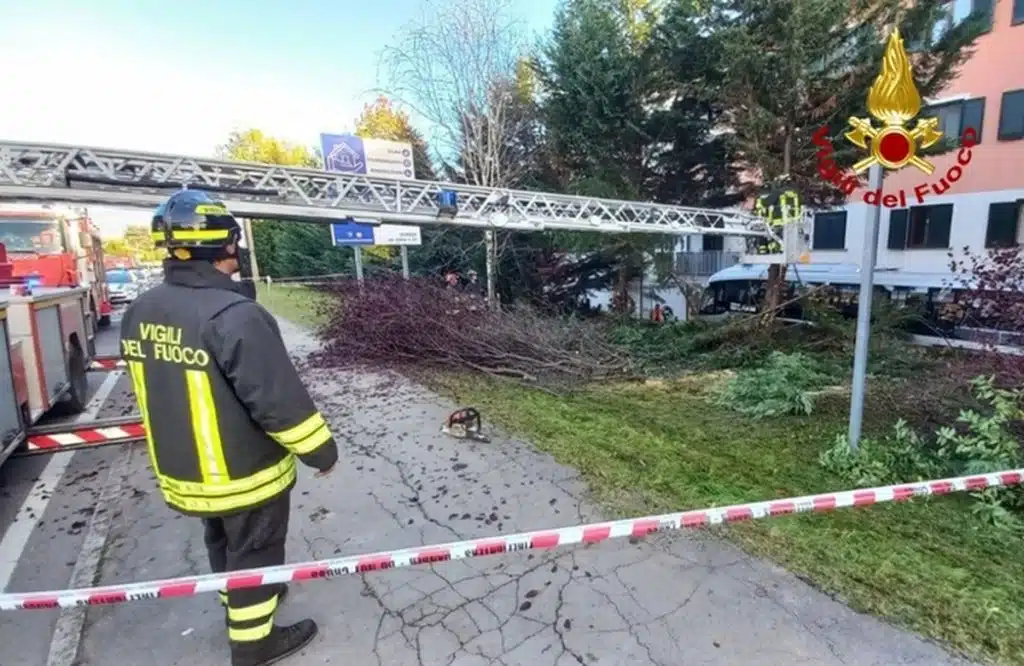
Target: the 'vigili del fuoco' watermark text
pixel 893 101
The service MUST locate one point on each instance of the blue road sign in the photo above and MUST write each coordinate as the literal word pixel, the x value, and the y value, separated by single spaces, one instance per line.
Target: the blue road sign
pixel 351 233
pixel 343 152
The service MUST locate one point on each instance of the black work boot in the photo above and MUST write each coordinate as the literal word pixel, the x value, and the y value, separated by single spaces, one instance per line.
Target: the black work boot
pixel 281 643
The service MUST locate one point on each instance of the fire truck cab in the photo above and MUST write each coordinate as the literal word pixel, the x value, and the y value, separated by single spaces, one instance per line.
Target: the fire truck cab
pixel 58 246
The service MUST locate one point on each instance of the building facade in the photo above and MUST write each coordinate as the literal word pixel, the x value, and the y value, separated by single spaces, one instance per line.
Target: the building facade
pixel 983 208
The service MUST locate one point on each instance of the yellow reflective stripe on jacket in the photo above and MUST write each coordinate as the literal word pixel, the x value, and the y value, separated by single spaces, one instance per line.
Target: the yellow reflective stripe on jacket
pixel 231 496
pixel 311 443
pixel 306 437
pixel 213 468
pixel 234 486
pixel 141 396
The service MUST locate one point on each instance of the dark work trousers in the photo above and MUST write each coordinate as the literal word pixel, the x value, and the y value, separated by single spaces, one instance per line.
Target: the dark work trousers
pixel 247 540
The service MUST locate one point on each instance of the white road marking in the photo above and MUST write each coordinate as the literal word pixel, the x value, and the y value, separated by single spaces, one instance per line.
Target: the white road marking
pixel 67 634
pixel 17 535
pixel 19 531
pixel 100 398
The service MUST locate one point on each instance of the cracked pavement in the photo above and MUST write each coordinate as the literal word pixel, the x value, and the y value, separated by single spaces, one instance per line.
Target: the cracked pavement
pixel 673 599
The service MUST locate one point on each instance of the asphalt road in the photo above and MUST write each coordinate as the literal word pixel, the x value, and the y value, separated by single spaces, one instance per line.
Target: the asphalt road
pixel 46 504
pixel 674 599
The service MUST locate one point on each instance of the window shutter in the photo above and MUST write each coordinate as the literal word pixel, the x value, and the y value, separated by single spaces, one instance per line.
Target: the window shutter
pixel 940 223
pixel 829 231
pixel 1011 116
pixel 983 7
pixel 1002 224
pixel 898 229
pixel 973 117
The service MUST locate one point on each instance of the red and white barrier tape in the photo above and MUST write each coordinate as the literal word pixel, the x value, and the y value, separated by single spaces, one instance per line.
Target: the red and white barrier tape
pixel 101 364
pixel 543 539
pixel 85 436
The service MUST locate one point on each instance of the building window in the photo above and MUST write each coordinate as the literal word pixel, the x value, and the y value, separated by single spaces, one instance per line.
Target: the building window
pixel 920 227
pixel 1011 116
pixel 713 243
pixel 956 11
pixel 829 231
pixel 1004 221
pixel 956 117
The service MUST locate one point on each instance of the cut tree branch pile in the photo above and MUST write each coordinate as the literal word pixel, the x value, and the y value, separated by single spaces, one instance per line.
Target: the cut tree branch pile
pixel 392 322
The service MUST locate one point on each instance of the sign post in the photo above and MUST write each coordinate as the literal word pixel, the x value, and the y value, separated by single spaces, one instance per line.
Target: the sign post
pixel 359 262
pixel 353 234
pixel 869 258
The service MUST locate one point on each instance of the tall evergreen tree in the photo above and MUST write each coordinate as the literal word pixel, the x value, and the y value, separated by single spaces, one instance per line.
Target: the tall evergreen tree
pixel 693 159
pixel 628 107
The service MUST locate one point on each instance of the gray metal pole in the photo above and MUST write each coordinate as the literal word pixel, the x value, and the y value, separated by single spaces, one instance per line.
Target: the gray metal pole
pixel 405 261
pixel 869 258
pixel 491 256
pixel 359 262
pixel 250 242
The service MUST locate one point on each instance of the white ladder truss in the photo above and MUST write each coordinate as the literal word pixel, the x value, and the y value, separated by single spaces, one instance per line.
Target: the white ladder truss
pixel 75 174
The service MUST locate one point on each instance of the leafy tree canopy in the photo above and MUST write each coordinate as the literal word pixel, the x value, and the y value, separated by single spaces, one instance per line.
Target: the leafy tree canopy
pixel 382 120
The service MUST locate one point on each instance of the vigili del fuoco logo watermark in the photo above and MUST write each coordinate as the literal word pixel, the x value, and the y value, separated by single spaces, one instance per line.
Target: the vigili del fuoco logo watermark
pixel 893 101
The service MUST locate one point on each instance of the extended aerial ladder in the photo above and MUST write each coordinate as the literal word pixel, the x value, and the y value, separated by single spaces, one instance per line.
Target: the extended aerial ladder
pixel 51 172
pixel 75 174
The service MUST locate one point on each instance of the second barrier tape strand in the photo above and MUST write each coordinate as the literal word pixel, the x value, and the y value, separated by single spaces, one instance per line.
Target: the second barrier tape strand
pixel 542 539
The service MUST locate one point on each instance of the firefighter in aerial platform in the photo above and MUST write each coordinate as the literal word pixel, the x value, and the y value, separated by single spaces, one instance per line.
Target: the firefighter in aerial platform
pixel 226 414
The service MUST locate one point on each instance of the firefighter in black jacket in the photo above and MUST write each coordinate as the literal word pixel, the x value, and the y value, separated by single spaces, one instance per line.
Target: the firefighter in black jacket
pixel 226 414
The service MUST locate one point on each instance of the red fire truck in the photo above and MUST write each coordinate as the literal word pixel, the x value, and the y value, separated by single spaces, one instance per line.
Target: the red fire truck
pixel 44 353
pixel 57 246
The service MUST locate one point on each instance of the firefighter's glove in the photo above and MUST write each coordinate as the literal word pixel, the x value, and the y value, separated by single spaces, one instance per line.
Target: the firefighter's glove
pixel 323 458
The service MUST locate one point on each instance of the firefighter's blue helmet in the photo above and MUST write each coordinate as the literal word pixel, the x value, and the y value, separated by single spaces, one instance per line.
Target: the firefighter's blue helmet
pixel 193 219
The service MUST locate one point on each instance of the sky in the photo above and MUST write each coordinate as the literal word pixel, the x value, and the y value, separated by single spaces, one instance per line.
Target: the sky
pixel 178 76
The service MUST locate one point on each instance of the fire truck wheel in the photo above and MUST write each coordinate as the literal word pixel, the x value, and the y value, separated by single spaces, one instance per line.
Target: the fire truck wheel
pixel 78 377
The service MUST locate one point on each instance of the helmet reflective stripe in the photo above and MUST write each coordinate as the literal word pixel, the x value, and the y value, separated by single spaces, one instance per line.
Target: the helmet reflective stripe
pixel 211 209
pixel 186 235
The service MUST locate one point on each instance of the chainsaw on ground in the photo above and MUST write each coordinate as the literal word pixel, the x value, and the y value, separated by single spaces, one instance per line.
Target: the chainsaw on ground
pixel 465 424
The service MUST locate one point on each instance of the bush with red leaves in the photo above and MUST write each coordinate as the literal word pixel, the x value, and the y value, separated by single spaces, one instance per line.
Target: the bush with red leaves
pixel 393 322
pixel 994 299
pixel 996 287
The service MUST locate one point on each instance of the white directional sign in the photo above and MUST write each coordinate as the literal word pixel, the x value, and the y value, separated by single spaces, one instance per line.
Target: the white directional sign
pixel 397 234
pixel 348 153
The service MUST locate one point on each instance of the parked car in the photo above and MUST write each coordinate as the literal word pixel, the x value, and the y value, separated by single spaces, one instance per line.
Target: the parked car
pixel 122 285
